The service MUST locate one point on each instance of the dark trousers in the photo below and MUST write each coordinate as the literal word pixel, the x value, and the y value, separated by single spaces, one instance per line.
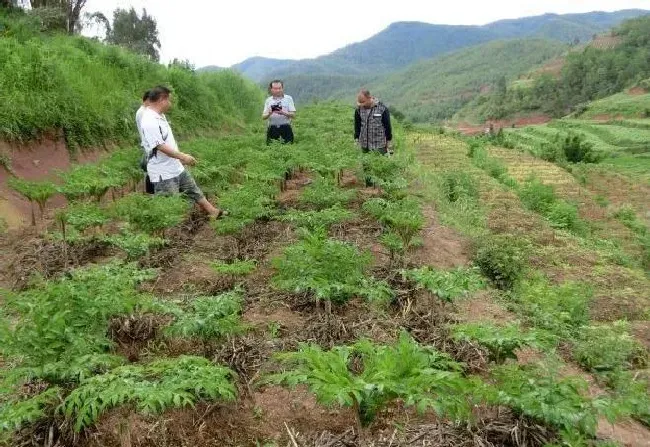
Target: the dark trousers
pixel 148 186
pixel 276 132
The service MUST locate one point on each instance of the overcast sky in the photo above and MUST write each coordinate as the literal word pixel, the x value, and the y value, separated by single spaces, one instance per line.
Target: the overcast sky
pixel 214 32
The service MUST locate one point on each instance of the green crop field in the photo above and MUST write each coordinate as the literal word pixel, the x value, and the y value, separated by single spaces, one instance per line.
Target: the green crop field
pixel 141 307
pixel 462 292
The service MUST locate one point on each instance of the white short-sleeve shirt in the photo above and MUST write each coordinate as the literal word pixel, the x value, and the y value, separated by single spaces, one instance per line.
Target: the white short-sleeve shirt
pixel 156 131
pixel 286 102
pixel 138 124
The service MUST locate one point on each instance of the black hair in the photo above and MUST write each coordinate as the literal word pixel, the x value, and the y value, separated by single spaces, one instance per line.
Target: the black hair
pixel 146 95
pixel 276 81
pixel 159 92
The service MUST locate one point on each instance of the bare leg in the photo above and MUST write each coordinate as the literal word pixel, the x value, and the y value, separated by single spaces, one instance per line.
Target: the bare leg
pixel 208 207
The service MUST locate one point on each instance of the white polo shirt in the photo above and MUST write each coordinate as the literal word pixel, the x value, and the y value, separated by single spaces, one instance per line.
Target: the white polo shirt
pixel 138 124
pixel 286 102
pixel 156 131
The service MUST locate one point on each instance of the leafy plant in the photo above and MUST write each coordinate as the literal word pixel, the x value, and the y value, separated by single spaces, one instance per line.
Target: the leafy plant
pixel 245 204
pixel 35 192
pixel 403 217
pixel 564 215
pixel 606 347
pixel 628 217
pixel 81 216
pixel 393 243
pixel 324 193
pixel 501 259
pixel 152 388
pixel 543 395
pixel 378 169
pixel 330 269
pixel 134 245
pixel 313 220
pixel 536 196
pixel 560 309
pixel 495 168
pixel 457 185
pixel 500 341
pixel 66 318
pixel 630 394
pixel 446 285
pixel 14 414
pixel 418 375
pixel 151 214
pixel 89 181
pixel 210 317
pixel 577 150
pixel 236 268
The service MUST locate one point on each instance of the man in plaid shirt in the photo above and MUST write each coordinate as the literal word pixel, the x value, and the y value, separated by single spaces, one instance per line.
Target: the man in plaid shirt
pixel 372 128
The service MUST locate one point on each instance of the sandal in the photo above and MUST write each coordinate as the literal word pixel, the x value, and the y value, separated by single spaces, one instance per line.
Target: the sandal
pixel 220 214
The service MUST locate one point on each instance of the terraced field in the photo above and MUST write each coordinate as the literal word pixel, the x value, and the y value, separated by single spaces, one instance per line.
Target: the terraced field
pixel 624 144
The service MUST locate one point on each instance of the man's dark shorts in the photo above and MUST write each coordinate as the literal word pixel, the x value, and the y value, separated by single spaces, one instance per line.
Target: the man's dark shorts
pixel 184 183
pixel 276 132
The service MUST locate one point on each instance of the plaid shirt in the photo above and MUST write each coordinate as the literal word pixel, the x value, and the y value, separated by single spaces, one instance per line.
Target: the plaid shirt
pixel 372 126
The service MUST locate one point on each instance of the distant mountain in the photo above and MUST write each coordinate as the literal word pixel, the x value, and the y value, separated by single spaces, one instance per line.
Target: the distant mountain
pixel 403 43
pixel 435 89
pixel 566 27
pixel 257 68
pixel 211 68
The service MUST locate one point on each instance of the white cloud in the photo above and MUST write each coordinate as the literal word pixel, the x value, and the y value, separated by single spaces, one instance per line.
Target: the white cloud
pixel 209 32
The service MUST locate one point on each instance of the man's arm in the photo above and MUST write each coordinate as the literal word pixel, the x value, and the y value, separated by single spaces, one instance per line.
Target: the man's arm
pixel 291 110
pixel 173 153
pixel 266 112
pixel 153 140
pixel 357 124
pixel 385 121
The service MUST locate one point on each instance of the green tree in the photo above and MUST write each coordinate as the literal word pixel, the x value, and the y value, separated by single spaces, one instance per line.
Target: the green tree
pixel 138 34
pixel 71 8
pixel 502 86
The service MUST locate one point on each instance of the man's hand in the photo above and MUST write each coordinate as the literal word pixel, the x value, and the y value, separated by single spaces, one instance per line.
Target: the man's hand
pixel 187 160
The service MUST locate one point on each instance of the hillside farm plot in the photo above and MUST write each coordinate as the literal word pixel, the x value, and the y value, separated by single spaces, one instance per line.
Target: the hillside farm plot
pixel 315 313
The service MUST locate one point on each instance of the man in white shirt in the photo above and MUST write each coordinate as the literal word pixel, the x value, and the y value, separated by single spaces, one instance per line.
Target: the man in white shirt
pixel 279 109
pixel 164 160
pixel 148 186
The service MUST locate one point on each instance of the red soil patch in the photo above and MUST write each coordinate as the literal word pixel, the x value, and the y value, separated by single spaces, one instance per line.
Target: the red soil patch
pixel 626 432
pixel 474 129
pixel 553 67
pixel 483 308
pixel 486 88
pixel 443 247
pixel 641 330
pixel 637 91
pixel 38 160
pixel 252 422
pixel 260 318
pixel 292 188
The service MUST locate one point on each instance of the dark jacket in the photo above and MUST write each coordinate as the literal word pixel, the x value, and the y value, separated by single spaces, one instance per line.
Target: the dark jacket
pixel 372 126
